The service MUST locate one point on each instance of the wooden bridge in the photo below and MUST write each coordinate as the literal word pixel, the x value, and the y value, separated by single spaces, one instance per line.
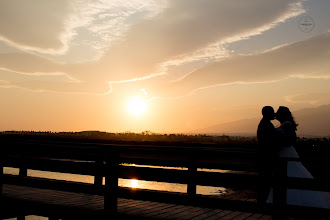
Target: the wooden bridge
pixel 23 195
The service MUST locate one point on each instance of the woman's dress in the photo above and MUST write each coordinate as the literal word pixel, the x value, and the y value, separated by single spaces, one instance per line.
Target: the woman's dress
pixel 296 196
pixel 299 197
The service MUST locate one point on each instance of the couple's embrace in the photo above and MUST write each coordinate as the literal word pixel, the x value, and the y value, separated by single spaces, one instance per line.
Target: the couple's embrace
pixel 271 141
pixel 278 142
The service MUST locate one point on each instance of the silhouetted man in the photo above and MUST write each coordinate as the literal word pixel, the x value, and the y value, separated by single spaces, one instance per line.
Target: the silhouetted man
pixel 265 152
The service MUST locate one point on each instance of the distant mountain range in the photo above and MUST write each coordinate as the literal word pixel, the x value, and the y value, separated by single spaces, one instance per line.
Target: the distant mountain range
pixel 312 122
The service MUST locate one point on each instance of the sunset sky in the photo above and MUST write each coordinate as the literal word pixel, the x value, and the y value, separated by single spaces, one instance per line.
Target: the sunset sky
pixel 165 66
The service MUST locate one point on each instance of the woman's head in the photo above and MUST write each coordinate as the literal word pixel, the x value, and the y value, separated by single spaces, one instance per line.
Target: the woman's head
pixel 284 114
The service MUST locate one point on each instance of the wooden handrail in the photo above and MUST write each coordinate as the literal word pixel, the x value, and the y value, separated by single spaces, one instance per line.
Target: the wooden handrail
pixel 143 173
pixel 104 161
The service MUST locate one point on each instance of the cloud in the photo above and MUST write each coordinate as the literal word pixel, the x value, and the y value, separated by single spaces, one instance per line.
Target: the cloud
pixel 309 98
pixel 190 26
pixel 47 26
pixel 5 84
pixel 35 25
pixel 304 59
pixel 29 64
pixel 181 32
pixel 67 87
pixel 100 24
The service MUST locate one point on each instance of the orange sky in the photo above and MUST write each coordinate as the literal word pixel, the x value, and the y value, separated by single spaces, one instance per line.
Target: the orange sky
pixel 76 65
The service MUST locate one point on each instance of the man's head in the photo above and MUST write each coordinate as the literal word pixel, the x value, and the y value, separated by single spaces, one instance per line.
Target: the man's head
pixel 268 112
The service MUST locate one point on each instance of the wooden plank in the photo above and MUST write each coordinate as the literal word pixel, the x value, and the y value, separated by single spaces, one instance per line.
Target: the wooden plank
pixel 150 211
pixel 231 215
pixel 243 216
pixel 126 202
pixel 149 208
pixel 132 204
pixel 62 201
pixel 177 210
pixel 191 213
pixel 140 205
pixel 265 217
pixel 152 208
pixel 219 215
pixel 53 197
pixel 208 164
pixel 137 206
pixel 63 166
pixel 206 214
pixel 254 216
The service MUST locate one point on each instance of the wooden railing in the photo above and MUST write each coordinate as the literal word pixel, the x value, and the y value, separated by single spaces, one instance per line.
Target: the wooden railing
pixel 106 160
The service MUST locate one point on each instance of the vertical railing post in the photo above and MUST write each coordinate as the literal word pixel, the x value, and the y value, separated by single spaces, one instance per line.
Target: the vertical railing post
pixel 21 217
pixel 1 183
pixel 1 178
pixel 192 170
pixel 111 183
pixel 23 167
pixel 280 189
pixel 3 156
pixel 22 173
pixel 99 160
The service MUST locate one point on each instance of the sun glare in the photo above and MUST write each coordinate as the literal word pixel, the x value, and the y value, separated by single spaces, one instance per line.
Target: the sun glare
pixel 137 106
pixel 134 183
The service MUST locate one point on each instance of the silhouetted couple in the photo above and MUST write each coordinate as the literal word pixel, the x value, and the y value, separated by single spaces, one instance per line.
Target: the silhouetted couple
pixel 270 141
pixel 278 143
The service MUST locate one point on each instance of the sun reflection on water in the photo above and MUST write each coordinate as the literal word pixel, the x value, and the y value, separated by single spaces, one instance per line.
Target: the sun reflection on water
pixel 134 183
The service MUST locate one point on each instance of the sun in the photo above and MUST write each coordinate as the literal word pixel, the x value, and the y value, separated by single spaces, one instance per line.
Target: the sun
pixel 137 106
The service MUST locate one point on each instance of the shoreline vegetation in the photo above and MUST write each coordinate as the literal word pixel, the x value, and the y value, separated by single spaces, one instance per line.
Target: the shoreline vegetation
pixel 313 152
pixel 146 137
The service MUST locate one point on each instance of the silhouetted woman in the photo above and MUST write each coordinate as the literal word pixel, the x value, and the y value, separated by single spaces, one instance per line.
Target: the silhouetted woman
pixel 286 132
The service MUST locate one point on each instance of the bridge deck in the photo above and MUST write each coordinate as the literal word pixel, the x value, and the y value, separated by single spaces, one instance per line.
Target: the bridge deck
pixel 43 201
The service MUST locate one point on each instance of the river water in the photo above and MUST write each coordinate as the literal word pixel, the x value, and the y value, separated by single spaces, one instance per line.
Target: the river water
pixel 133 183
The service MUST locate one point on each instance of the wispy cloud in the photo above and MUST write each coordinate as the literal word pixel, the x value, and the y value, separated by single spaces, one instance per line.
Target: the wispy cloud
pixel 35 25
pixel 106 22
pixel 307 58
pixel 141 40
pixel 315 99
pixel 45 26
pixel 5 84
